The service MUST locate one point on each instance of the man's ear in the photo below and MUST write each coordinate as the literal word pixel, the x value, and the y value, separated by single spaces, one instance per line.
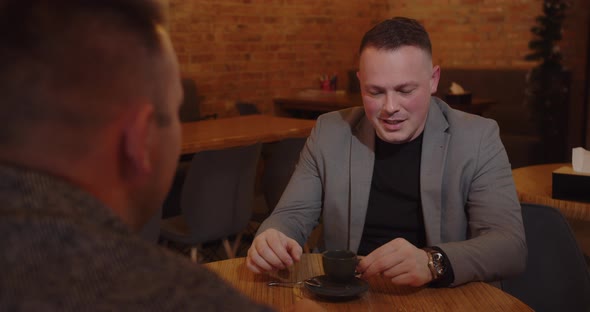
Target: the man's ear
pixel 137 140
pixel 434 79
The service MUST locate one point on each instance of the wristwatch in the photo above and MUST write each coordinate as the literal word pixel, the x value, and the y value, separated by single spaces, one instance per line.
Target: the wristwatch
pixel 436 263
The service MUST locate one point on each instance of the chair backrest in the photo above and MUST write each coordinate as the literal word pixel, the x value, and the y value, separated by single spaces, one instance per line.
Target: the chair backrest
pixel 278 168
pixel 190 110
pixel 245 108
pixel 217 194
pixel 556 277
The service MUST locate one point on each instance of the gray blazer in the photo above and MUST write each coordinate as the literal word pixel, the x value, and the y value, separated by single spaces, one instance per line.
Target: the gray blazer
pixel 469 201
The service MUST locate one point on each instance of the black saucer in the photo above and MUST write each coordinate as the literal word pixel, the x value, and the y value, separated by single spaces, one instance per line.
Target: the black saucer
pixel 322 286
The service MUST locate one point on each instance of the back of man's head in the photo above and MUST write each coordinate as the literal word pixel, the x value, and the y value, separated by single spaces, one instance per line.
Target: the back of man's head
pixel 69 65
pixel 395 33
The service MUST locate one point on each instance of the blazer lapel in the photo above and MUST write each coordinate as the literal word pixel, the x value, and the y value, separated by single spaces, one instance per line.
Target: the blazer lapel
pixel 362 158
pixel 434 151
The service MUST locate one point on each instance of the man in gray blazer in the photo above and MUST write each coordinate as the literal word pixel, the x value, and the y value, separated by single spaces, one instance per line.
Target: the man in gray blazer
pixel 424 191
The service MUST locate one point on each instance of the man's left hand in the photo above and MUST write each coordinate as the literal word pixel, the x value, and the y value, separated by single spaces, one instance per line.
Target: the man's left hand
pixel 398 260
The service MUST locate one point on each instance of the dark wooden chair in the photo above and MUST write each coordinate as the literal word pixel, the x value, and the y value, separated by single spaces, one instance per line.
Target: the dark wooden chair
pixel 190 109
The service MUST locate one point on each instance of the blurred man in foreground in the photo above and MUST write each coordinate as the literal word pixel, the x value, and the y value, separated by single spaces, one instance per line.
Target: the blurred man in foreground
pixel 89 142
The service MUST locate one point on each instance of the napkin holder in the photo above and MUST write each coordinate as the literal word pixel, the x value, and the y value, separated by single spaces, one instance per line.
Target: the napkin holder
pixel 571 185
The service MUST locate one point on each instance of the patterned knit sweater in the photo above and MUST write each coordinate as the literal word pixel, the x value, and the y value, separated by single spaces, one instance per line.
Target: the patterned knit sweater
pixel 62 250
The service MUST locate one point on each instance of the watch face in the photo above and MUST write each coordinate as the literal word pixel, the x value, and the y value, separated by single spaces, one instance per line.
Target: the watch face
pixel 437 256
pixel 438 261
pixel 440 270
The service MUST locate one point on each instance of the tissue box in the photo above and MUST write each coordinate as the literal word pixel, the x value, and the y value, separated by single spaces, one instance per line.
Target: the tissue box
pixel 458 99
pixel 571 185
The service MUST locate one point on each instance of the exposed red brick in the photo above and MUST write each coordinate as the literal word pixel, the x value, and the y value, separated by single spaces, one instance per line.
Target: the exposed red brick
pixel 254 50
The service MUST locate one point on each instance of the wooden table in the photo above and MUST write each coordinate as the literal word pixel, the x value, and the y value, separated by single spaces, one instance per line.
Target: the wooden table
pixel 382 294
pixel 242 130
pixel 310 103
pixel 534 185
pixel 318 101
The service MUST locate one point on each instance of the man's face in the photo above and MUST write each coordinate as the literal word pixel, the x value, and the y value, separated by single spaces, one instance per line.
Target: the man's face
pixel 396 88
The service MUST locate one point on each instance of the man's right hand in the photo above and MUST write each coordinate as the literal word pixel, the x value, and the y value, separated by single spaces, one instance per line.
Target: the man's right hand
pixel 272 250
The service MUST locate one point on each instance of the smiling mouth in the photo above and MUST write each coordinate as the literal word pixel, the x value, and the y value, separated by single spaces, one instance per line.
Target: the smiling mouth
pixel 392 122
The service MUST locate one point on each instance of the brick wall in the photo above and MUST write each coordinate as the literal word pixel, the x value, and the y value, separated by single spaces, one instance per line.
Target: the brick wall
pixel 254 50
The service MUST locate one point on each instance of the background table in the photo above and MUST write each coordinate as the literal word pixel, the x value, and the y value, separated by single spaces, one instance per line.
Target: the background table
pixel 242 130
pixel 311 103
pixel 534 185
pixel 382 295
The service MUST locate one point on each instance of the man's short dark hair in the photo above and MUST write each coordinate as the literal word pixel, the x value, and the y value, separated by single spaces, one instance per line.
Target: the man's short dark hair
pixel 397 32
pixel 70 62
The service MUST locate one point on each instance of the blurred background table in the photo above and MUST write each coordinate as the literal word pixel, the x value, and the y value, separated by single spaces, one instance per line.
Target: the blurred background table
pixel 534 185
pixel 239 131
pixel 382 294
pixel 311 103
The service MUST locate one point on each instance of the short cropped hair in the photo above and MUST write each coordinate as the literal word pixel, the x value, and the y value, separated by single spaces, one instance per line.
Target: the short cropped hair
pixel 395 33
pixel 72 62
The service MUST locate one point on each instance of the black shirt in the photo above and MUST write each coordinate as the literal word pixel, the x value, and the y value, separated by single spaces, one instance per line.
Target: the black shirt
pixel 394 208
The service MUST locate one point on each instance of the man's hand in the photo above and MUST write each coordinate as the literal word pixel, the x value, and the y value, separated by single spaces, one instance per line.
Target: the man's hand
pixel 272 251
pixel 398 260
